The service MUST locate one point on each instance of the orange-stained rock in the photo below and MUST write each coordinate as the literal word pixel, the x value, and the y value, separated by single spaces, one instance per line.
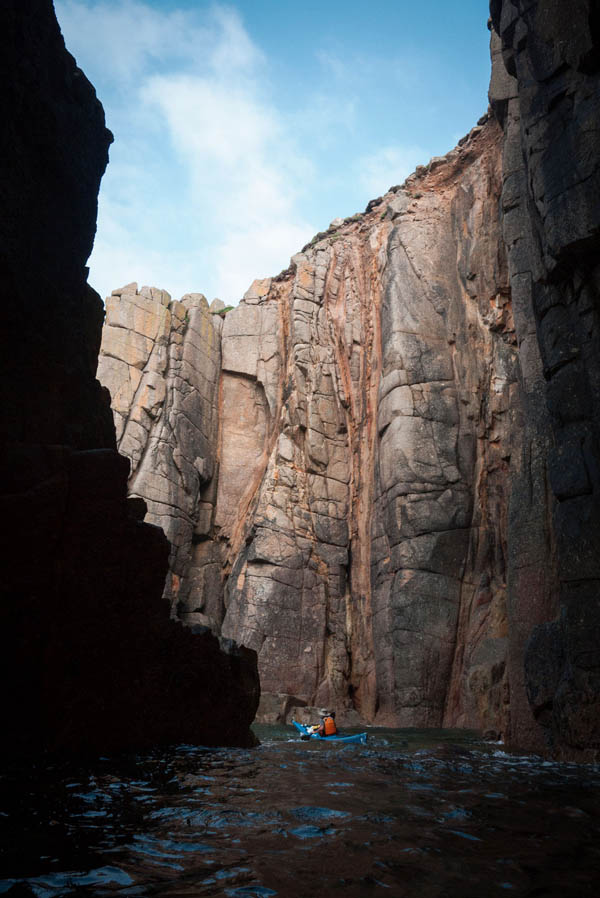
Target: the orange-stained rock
pixel 363 408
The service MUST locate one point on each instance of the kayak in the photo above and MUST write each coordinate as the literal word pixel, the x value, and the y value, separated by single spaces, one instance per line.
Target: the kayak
pixel 361 738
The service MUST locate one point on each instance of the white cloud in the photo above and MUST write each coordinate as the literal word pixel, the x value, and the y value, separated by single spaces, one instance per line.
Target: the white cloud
pixel 210 119
pixel 233 51
pixel 388 166
pixel 204 179
pixel 209 178
pixel 124 37
pixel 122 255
pixel 243 168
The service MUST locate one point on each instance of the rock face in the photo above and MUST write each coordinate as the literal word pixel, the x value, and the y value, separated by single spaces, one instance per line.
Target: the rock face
pixel 348 521
pixel 93 662
pixel 161 361
pixel 371 474
pixel 545 91
pixel 353 576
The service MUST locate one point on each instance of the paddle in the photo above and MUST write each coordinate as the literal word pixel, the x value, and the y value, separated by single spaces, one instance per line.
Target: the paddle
pixel 304 736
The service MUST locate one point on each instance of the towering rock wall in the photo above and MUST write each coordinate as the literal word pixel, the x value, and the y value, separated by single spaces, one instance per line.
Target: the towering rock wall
pixel 447 396
pixel 373 534
pixel 92 660
pixel 545 91
pixel 350 526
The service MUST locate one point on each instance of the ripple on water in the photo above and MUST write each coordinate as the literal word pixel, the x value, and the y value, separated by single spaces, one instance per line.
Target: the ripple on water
pixel 64 883
pixel 241 823
pixel 314 813
pixel 308 831
pixel 249 892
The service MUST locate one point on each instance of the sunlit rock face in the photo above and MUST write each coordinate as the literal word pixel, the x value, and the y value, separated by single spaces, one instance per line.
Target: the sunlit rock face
pixel 347 521
pixel 161 360
pixel 374 536
pixel 92 661
pixel 545 91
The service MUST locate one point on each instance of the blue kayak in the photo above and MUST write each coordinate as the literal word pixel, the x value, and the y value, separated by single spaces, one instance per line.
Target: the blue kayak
pixel 361 738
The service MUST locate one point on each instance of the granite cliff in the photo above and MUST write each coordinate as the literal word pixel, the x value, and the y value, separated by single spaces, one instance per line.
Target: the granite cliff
pixel 91 660
pixel 330 459
pixel 380 471
pixel 545 92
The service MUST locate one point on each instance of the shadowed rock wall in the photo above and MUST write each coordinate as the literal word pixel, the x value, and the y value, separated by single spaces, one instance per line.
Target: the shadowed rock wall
pixel 545 90
pixel 92 662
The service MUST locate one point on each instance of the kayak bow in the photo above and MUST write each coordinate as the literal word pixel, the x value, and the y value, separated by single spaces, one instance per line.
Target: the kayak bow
pixel 360 738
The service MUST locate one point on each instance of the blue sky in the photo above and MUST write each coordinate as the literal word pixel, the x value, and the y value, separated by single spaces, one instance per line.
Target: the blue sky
pixel 242 129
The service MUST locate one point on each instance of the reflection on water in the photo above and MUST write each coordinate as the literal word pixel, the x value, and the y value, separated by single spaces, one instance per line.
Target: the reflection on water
pixel 413 813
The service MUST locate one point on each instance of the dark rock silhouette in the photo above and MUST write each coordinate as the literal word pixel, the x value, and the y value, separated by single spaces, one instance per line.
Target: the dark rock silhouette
pixel 91 660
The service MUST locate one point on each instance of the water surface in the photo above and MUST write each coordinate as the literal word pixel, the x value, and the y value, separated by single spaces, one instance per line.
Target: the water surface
pixel 412 813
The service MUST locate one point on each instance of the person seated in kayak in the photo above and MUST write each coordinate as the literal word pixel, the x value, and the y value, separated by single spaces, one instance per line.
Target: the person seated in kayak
pixel 327 726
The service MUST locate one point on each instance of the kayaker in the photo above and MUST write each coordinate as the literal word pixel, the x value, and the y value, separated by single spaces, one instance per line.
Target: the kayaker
pixel 327 726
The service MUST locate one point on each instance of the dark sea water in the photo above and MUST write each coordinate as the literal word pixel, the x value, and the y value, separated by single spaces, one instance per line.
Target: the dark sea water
pixel 414 813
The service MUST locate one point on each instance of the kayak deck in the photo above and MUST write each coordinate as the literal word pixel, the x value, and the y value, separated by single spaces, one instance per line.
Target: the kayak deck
pixel 360 738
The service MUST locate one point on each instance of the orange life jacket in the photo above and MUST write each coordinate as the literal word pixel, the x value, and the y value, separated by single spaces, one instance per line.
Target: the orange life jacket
pixel 329 727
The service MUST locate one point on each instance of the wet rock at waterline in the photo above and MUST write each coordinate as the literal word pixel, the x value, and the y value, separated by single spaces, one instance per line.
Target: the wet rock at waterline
pixel 91 660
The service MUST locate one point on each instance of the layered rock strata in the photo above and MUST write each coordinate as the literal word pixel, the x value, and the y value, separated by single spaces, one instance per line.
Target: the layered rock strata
pixel 348 523
pixel 92 662
pixel 545 91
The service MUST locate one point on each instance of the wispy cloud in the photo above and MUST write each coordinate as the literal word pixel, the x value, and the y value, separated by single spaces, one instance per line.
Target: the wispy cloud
pixel 243 168
pixel 334 65
pixel 197 85
pixel 228 158
pixel 126 37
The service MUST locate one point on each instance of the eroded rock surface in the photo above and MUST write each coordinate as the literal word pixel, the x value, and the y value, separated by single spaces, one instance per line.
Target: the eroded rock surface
pixel 93 662
pixel 161 360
